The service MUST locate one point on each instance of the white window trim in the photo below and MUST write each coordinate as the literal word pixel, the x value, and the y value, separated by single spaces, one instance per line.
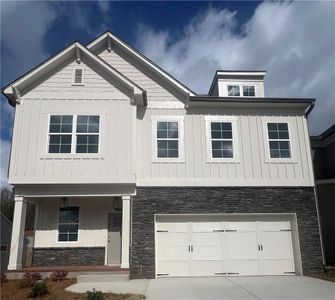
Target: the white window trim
pixel 241 85
pixel 79 222
pixel 74 75
pixel 233 121
pixel 268 158
pixel 73 134
pixel 181 155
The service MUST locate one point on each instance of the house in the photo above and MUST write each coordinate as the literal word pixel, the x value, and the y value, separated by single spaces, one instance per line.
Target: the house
pixel 5 237
pixel 129 167
pixel 323 153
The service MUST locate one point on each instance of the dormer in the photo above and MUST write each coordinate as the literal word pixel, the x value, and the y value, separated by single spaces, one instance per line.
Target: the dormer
pixel 237 83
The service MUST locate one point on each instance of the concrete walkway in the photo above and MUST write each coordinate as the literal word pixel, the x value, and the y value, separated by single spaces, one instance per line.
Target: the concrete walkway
pixel 232 288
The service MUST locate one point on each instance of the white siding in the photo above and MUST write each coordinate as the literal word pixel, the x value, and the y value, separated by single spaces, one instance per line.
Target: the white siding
pixel 93 220
pixel 252 167
pixel 30 162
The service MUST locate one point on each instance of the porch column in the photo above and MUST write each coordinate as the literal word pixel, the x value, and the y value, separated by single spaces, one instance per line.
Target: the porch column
pixel 125 231
pixel 19 221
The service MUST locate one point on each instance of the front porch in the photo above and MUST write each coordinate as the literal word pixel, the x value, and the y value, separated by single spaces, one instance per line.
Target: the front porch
pixel 83 233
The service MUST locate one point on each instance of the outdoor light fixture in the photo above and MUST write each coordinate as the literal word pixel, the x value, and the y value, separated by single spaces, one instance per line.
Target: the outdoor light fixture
pixel 63 202
pixel 117 203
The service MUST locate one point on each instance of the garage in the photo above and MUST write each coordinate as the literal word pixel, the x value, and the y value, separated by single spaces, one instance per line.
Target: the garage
pixel 207 245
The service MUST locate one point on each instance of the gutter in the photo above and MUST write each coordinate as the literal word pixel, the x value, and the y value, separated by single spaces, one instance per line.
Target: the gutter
pixel 310 108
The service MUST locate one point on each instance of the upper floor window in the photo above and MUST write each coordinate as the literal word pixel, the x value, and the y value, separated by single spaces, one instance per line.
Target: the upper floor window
pixel 74 134
pixel 78 76
pixel 222 139
pixel 249 91
pixel 60 134
pixel 87 134
pixel 68 224
pixel 279 140
pixel 168 138
pixel 233 90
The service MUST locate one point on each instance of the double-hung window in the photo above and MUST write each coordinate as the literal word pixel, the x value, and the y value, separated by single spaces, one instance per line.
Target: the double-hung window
pixel 87 134
pixel 248 91
pixel 60 134
pixel 168 138
pixel 233 90
pixel 279 140
pixel 74 134
pixel 222 138
pixel 68 224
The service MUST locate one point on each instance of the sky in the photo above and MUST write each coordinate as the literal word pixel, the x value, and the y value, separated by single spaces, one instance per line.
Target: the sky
pixel 293 41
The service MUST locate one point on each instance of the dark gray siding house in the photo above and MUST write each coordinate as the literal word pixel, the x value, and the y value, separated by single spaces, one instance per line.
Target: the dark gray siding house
pixel 323 151
pixel 6 231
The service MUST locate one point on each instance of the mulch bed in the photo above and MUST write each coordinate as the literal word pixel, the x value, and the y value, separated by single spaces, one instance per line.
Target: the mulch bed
pixel 325 276
pixel 10 290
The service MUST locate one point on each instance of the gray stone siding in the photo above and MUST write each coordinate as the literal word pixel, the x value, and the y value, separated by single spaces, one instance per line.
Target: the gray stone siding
pixel 180 200
pixel 74 256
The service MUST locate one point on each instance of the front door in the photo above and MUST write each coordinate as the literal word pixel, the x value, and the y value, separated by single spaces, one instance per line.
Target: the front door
pixel 114 238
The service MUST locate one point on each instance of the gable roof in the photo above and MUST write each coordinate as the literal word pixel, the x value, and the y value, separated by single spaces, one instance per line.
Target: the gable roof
pixel 12 90
pixel 108 38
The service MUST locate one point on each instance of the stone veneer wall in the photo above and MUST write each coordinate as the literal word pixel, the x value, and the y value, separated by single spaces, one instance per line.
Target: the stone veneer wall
pixel 180 200
pixel 74 256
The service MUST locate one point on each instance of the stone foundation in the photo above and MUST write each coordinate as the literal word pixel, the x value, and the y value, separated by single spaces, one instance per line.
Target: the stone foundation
pixel 75 256
pixel 206 200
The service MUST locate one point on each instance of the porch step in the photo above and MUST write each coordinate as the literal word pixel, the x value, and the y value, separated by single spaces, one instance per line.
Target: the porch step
pixel 103 277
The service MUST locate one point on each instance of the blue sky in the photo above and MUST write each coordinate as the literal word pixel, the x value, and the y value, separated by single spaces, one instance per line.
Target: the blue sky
pixel 293 41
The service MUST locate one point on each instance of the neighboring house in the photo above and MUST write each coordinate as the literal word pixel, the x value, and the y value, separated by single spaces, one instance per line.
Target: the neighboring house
pixel 323 153
pixel 5 237
pixel 129 167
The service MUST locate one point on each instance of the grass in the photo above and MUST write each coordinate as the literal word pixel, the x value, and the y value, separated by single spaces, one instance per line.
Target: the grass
pixel 10 291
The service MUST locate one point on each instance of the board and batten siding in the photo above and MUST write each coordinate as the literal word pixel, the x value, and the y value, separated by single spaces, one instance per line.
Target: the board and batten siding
pixel 30 163
pixel 93 221
pixel 251 168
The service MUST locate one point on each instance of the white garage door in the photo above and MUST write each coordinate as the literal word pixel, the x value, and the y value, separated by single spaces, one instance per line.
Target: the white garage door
pixel 224 248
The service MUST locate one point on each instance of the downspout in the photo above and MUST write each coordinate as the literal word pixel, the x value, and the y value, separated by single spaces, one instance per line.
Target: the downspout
pixel 308 111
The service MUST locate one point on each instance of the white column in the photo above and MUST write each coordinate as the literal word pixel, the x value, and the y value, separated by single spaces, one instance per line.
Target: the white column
pixel 19 221
pixel 125 231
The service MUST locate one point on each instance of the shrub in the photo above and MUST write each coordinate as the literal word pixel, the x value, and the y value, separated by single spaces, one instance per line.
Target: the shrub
pixel 29 279
pixel 39 289
pixel 58 276
pixel 95 295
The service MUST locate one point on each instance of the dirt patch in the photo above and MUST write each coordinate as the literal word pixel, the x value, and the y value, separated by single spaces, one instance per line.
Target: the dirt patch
pixel 10 290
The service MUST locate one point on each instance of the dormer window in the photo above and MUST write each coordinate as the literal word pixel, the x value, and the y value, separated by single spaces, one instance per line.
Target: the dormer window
pixel 248 91
pixel 78 76
pixel 233 90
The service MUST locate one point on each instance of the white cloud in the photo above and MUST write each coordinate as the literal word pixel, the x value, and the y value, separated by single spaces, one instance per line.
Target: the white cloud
pixel 293 41
pixel 23 28
pixel 103 5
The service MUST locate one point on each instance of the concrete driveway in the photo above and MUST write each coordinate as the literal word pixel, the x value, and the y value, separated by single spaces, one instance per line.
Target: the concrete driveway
pixel 232 288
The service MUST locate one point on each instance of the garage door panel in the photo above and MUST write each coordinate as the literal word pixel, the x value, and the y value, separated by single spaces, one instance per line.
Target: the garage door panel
pixel 172 246
pixel 273 225
pixel 206 267
pixel 242 245
pixel 241 226
pixel 276 245
pixel 276 266
pixel 172 227
pixel 205 226
pixel 173 268
pixel 242 267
